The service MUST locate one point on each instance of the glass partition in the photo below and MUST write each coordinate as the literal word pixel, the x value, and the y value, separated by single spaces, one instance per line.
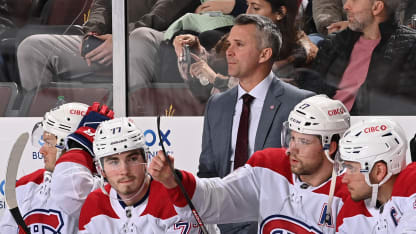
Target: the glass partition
pixel 48 57
pixel 71 49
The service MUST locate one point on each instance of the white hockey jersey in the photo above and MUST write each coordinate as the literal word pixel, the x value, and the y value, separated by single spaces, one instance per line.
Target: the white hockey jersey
pixel 264 190
pixel 32 193
pixel 53 206
pixel 398 215
pixel 153 214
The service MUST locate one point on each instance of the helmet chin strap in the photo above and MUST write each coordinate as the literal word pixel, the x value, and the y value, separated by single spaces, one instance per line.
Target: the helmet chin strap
pixel 331 189
pixel 59 147
pixel 374 194
pixel 375 187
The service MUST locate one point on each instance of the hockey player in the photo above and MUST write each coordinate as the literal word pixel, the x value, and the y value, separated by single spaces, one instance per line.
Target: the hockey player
pixel 284 190
pixel 131 202
pixel 73 177
pixel 382 187
pixel 33 190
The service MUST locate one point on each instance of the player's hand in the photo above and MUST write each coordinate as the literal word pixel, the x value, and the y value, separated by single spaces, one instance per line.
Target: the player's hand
pixel 96 114
pixel 160 171
pixel 225 6
pixel 103 54
pixel 337 26
pixel 186 39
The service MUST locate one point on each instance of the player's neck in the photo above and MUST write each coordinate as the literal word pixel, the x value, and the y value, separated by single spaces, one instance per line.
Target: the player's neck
pixel 320 176
pixel 129 200
pixel 385 190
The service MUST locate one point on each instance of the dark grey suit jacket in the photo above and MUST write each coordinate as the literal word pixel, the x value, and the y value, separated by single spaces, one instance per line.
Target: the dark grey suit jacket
pixel 215 157
pixel 218 120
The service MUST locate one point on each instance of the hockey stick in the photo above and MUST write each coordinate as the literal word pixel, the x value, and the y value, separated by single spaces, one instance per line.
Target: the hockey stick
pixel 179 182
pixel 11 174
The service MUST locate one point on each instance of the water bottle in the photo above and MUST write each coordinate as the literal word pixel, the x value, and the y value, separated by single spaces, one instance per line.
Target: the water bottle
pixel 61 101
pixel 203 80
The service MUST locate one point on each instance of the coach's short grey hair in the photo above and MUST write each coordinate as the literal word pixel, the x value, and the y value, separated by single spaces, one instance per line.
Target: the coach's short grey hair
pixel 268 35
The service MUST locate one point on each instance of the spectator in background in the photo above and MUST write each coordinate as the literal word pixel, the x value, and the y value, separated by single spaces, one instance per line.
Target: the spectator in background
pixel 156 59
pixel 371 65
pixel 296 51
pixel 326 13
pixel 329 16
pixel 42 57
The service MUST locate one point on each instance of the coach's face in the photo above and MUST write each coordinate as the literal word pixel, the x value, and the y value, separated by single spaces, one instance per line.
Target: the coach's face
pixel 243 53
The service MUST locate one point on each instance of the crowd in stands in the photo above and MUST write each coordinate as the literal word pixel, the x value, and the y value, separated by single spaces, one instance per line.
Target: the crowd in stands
pixel 321 49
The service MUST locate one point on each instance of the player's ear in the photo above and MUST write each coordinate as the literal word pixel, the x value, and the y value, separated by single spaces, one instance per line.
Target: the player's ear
pixel 378 172
pixel 333 147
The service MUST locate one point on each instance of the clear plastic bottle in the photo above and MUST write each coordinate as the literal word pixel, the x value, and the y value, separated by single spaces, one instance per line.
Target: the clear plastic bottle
pixel 61 101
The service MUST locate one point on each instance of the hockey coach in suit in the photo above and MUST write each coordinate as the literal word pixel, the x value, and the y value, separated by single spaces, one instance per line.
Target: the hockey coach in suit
pixel 254 44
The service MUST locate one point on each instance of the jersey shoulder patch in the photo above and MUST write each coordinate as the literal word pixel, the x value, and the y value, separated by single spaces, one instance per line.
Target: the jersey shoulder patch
pixel 97 203
pixel 35 177
pixel 274 159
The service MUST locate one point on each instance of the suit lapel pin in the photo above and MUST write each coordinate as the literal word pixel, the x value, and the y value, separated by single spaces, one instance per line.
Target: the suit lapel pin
pixel 271 107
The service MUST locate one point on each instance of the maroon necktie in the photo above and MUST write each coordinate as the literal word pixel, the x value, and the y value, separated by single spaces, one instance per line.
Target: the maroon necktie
pixel 241 147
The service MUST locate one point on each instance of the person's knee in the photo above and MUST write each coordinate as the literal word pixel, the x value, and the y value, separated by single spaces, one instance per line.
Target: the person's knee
pixel 145 36
pixel 29 46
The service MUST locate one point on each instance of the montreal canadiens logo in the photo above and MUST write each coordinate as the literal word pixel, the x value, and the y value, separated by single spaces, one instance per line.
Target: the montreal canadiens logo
pixel 43 221
pixel 279 224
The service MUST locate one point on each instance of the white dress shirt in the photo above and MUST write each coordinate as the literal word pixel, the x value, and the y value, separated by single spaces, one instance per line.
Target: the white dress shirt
pixel 259 93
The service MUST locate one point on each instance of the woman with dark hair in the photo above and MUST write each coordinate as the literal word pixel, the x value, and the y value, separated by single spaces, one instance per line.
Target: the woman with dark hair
pixel 296 51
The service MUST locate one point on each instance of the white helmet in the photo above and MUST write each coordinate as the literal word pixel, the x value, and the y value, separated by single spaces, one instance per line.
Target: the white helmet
pixel 371 141
pixel 317 115
pixel 117 136
pixel 60 121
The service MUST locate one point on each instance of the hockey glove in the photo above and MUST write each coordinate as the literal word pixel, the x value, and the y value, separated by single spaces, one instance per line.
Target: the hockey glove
pixel 85 133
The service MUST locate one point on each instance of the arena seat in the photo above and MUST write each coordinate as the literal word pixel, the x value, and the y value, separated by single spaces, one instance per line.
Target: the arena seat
pixel 8 94
pixel 165 99
pixel 37 102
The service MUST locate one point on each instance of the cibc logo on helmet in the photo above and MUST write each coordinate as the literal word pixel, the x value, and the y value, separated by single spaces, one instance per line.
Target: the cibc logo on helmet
pixel 338 111
pixel 378 128
pixel 77 112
